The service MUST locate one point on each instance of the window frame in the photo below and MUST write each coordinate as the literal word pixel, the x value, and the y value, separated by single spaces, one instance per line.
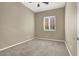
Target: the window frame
pixel 49 24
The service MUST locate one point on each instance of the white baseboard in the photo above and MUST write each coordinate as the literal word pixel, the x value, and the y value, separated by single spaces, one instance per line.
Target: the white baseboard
pixel 37 38
pixel 50 39
pixel 16 44
pixel 68 49
pixel 58 41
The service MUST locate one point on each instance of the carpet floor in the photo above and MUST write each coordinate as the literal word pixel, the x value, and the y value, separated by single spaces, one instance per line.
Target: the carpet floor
pixel 37 47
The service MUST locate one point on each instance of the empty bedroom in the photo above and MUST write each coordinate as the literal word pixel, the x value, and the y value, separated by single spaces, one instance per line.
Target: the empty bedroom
pixel 38 29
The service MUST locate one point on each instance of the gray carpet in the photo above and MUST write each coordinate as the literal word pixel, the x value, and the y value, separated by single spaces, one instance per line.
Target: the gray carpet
pixel 37 47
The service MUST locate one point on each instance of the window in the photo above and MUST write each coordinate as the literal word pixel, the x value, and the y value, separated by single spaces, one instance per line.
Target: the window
pixel 49 23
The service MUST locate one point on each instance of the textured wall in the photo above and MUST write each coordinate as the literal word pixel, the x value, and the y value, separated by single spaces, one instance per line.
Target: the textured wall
pixel 16 24
pixel 59 34
pixel 70 27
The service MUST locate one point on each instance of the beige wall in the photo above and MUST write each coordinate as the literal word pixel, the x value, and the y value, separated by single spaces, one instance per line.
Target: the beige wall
pixel 16 24
pixel 78 20
pixel 59 34
pixel 70 27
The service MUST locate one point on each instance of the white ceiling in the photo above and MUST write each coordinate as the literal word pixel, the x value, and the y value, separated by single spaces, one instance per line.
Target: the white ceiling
pixel 43 7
